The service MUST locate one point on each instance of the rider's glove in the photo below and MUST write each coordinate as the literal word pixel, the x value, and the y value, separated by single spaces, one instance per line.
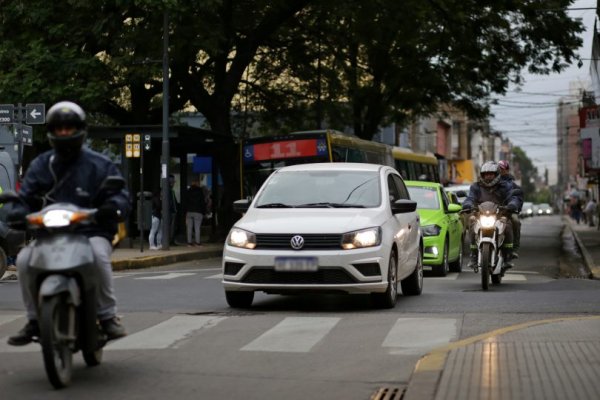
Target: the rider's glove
pixel 511 208
pixel 467 209
pixel 16 219
pixel 107 212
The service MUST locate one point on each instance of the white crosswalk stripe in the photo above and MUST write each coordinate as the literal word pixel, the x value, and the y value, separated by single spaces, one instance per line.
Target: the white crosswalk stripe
pixel 418 335
pixel 171 275
pixel 293 335
pixel 165 334
pixel 514 278
pixel 449 277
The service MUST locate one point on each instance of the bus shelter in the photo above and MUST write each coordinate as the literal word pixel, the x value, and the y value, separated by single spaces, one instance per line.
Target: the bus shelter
pixel 186 144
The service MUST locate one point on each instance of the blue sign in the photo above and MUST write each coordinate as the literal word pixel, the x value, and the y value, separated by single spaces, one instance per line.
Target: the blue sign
pixel 202 165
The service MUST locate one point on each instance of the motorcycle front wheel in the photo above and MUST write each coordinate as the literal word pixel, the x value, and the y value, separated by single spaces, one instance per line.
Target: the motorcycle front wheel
pixel 56 319
pixel 486 253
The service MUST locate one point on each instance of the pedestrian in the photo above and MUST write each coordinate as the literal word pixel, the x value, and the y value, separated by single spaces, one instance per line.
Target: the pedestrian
pixel 590 211
pixel 155 238
pixel 196 208
pixel 173 208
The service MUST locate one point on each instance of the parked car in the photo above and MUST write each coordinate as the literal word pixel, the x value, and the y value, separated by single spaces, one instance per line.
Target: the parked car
pixel 341 227
pixel 545 209
pixel 441 226
pixel 461 191
pixel 526 210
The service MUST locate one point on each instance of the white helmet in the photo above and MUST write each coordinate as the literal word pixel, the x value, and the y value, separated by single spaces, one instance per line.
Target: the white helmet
pixel 486 168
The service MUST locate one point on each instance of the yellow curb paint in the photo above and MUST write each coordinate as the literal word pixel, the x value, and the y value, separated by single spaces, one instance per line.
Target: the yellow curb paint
pixel 435 360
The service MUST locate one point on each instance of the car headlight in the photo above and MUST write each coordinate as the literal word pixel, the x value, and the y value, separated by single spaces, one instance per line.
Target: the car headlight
pixel 487 221
pixel 431 230
pixel 363 238
pixel 241 238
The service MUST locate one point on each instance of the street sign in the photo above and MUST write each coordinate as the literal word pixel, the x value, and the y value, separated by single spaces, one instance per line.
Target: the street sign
pixel 136 150
pixel 128 150
pixel 136 137
pixel 7 113
pixel 27 135
pixel 35 113
pixel 147 142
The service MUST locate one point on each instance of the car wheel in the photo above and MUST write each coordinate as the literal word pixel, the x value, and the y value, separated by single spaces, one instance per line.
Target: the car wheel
pixel 412 285
pixel 456 265
pixel 388 298
pixel 237 299
pixel 443 268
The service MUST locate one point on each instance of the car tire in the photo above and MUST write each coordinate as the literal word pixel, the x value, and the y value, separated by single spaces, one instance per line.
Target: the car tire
pixel 456 265
pixel 444 267
pixel 388 298
pixel 237 299
pixel 412 285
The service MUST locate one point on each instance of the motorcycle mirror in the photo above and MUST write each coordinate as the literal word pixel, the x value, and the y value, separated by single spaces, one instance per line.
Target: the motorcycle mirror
pixel 113 183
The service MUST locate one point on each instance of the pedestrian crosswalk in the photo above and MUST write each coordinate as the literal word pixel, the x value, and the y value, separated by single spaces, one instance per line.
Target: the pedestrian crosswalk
pixel 277 333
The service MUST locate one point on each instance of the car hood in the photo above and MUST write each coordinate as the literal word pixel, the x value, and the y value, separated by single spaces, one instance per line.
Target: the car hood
pixel 311 220
pixel 430 217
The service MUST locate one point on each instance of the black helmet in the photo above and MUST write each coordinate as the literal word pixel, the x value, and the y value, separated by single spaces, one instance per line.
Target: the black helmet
pixel 487 167
pixel 70 115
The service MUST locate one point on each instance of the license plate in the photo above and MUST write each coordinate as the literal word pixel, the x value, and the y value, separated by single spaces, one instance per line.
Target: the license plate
pixel 296 264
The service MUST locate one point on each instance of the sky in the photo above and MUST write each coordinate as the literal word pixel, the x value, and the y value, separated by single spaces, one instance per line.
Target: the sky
pixel 527 114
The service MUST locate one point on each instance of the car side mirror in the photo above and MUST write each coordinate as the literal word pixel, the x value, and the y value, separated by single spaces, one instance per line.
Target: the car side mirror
pixel 403 206
pixel 241 206
pixel 454 208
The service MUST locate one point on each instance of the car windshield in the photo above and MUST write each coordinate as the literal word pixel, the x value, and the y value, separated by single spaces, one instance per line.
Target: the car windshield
pixel 426 197
pixel 321 189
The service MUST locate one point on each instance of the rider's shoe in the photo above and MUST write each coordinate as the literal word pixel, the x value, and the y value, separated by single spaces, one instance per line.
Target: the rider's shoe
pixel 508 257
pixel 113 328
pixel 25 335
pixel 515 255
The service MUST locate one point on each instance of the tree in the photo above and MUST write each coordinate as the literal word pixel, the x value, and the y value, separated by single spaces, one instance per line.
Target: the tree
pixel 528 172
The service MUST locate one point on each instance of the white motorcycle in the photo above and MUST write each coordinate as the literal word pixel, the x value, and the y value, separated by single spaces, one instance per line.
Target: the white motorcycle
pixel 489 228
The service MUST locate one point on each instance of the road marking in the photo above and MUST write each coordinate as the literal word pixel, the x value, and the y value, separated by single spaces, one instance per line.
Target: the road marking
pixel 525 272
pixel 217 276
pixel 5 319
pixel 293 335
pixel 419 335
pixel 514 277
pixel 171 275
pixel 4 347
pixel 166 334
pixel 449 277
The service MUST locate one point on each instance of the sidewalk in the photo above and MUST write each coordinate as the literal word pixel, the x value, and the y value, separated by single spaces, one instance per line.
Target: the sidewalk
pixel 588 241
pixel 123 258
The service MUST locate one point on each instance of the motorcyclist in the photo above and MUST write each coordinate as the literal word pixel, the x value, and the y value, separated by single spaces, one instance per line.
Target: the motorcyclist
pixel 505 175
pixel 74 174
pixel 491 187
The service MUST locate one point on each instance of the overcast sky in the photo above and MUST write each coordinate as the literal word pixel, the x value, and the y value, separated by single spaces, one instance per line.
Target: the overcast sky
pixel 527 115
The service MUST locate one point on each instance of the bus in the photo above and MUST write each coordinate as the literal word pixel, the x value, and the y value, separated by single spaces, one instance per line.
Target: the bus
pixel 262 155
pixel 416 166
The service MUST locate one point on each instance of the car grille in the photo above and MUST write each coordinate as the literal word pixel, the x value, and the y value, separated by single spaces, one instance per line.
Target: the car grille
pixel 268 275
pixel 311 241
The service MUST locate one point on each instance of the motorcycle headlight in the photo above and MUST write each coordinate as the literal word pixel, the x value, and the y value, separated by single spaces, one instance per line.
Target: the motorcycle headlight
pixel 487 221
pixel 241 238
pixel 363 238
pixel 431 230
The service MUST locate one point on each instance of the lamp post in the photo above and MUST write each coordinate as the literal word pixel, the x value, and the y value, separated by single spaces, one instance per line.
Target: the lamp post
pixel 166 189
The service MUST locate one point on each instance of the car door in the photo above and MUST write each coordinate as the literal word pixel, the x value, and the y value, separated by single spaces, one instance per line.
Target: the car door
pixel 454 228
pixel 410 221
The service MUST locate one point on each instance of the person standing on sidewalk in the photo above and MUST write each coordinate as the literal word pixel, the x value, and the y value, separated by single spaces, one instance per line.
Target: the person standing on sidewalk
pixel 590 211
pixel 173 208
pixel 155 238
pixel 196 208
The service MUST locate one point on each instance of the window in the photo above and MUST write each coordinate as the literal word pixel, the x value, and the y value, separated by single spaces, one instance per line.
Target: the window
pixel 394 194
pixel 401 187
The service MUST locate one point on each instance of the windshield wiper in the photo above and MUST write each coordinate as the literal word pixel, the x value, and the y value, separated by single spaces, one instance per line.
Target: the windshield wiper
pixel 275 205
pixel 329 205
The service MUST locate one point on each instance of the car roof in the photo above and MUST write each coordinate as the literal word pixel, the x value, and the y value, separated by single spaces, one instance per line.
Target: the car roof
pixel 422 184
pixel 335 166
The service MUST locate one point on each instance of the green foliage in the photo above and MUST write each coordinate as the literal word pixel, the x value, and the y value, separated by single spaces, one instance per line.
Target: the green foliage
pixel 542 196
pixel 528 173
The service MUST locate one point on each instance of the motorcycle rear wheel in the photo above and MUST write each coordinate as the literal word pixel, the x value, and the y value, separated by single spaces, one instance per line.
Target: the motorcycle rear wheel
pixel 55 319
pixel 485 265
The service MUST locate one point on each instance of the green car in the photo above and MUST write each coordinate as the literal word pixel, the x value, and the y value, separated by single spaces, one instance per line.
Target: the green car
pixel 441 226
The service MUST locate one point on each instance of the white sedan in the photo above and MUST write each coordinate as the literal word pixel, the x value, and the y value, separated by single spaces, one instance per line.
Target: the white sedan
pixel 329 227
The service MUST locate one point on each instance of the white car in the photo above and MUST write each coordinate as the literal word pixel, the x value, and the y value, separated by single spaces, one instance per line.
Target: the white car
pixel 329 227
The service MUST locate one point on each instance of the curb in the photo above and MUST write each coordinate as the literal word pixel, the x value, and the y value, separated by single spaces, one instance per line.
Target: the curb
pixel 594 273
pixel 158 260
pixel 424 381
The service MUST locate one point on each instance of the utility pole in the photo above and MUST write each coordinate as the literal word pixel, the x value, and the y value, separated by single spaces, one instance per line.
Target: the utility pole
pixel 166 189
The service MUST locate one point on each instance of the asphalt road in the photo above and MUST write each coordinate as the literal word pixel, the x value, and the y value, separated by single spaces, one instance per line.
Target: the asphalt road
pixel 185 342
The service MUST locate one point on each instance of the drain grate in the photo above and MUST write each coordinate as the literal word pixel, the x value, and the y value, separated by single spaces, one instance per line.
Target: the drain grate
pixel 388 393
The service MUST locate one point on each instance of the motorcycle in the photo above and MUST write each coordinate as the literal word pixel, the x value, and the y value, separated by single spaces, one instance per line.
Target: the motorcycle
pixel 64 280
pixel 489 228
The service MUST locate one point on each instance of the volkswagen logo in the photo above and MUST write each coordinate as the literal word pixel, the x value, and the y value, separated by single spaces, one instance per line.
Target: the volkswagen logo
pixel 297 242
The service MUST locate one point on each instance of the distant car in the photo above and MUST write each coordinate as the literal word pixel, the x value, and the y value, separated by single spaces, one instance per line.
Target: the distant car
pixel 441 225
pixel 461 191
pixel 526 210
pixel 545 209
pixel 327 227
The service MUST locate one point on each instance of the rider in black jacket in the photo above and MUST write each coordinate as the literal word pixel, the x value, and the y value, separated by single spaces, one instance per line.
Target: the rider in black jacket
pixel 491 188
pixel 505 175
pixel 72 174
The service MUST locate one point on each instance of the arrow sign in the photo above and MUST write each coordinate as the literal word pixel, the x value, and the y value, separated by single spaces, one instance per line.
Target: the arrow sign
pixel 7 113
pixel 35 113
